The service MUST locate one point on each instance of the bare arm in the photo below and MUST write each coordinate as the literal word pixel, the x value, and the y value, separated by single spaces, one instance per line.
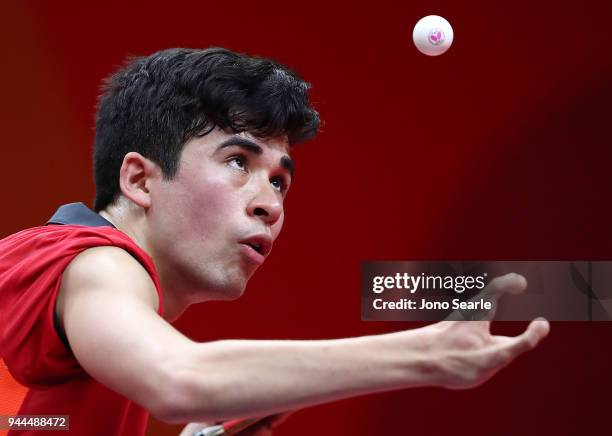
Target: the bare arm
pixel 107 303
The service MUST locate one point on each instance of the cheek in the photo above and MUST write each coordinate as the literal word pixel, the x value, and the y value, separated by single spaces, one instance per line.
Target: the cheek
pixel 277 226
pixel 209 204
pixel 196 204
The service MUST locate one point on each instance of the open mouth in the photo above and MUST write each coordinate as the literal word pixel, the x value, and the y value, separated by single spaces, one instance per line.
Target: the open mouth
pixel 256 247
pixel 262 244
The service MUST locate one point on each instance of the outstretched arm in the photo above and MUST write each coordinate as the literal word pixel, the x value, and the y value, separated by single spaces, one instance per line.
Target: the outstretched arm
pixel 107 304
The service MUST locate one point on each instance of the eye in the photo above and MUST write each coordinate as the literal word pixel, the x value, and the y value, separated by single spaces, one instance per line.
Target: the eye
pixel 279 184
pixel 238 162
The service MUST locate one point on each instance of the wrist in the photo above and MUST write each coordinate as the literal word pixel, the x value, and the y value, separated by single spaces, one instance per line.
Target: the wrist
pixel 415 356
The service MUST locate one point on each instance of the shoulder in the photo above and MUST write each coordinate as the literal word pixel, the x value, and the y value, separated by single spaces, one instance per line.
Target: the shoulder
pixel 63 240
pixel 109 270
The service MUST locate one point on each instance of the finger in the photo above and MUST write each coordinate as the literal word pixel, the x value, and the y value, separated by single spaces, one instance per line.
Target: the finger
pixel 508 284
pixel 537 330
pixel 498 287
pixel 511 284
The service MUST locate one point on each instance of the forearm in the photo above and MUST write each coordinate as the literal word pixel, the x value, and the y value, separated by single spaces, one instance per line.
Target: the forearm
pixel 226 379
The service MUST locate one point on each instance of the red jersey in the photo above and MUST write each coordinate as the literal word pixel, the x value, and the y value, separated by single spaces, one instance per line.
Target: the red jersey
pixel 32 343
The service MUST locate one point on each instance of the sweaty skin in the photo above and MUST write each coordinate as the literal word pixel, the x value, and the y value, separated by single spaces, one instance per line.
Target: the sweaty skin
pixel 199 229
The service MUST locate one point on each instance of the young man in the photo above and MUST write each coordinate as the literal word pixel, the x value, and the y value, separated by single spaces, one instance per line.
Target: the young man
pixel 192 164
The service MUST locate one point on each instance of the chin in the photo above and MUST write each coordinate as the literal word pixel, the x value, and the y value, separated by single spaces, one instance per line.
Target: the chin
pixel 232 290
pixel 232 294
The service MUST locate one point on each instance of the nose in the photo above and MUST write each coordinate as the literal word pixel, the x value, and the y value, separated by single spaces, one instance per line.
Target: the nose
pixel 266 204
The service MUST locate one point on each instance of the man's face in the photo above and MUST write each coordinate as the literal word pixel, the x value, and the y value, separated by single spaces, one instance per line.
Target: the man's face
pixel 214 223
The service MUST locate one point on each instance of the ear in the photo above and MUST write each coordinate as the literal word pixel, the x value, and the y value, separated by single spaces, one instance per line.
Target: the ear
pixel 135 177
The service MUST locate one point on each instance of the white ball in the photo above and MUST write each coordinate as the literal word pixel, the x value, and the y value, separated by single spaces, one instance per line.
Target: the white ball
pixel 432 35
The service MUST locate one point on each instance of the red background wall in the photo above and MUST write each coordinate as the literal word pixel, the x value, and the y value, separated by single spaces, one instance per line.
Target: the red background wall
pixel 496 150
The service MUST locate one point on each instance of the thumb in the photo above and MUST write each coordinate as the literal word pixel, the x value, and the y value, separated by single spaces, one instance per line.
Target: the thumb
pixel 537 330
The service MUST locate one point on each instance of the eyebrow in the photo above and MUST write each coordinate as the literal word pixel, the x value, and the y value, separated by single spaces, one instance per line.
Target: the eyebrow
pixel 285 161
pixel 242 143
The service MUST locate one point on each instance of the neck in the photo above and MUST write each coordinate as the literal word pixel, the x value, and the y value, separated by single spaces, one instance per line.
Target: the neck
pixel 134 227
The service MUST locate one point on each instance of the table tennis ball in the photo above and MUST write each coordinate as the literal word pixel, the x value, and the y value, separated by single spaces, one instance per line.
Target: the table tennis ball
pixel 432 35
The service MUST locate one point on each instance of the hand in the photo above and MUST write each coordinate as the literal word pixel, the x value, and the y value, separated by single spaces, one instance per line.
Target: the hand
pixel 465 354
pixel 260 428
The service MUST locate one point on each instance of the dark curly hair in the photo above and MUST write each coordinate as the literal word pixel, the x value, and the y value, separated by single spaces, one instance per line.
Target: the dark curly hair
pixel 155 104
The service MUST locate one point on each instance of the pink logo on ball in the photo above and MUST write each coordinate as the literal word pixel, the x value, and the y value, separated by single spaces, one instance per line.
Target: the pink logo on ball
pixel 436 37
